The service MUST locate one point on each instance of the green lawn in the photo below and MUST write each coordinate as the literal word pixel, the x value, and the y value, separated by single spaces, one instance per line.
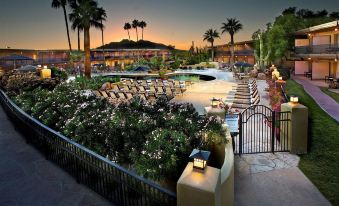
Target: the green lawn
pixel 321 164
pixel 334 95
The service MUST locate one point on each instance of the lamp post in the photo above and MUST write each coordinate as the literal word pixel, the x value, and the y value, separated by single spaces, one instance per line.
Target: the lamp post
pixel 200 158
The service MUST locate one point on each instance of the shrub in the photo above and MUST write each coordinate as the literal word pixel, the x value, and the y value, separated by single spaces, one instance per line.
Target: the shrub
pixel 15 82
pixel 126 133
pixel 162 151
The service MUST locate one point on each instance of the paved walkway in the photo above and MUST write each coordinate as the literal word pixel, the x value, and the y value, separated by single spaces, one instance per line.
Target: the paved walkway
pixel 27 178
pixel 273 180
pixel 329 105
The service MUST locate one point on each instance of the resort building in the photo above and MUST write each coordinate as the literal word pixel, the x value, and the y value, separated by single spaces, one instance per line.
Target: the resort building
pixel 243 51
pixel 317 50
pixel 123 57
pixel 14 58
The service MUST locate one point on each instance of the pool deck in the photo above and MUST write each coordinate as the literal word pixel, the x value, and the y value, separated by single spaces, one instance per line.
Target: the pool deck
pixel 200 93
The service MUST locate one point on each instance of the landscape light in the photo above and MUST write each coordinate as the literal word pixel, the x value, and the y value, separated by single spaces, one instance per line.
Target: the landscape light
pixel 200 158
pixel 294 99
pixel 215 102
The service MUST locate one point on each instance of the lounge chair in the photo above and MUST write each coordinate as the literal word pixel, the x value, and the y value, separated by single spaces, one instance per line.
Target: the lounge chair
pixel 104 94
pixel 97 93
pixel 129 96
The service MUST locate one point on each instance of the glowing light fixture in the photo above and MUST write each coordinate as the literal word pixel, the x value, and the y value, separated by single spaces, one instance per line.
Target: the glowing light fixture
pixel 215 102
pixel 294 99
pixel 200 158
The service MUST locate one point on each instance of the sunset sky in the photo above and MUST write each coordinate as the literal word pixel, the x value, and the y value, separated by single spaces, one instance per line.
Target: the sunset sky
pixel 33 24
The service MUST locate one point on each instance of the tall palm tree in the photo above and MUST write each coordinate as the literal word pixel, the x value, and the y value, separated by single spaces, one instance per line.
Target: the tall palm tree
pixel 232 26
pixel 86 14
pixel 102 16
pixel 135 25
pixel 127 27
pixel 142 25
pixel 63 3
pixel 209 36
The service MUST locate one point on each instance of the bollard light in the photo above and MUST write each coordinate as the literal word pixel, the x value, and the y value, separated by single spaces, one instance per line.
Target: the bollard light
pixel 294 99
pixel 200 158
pixel 215 102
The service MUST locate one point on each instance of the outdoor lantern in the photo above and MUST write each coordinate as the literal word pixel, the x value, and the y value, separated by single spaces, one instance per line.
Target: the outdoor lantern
pixel 200 158
pixel 294 99
pixel 45 73
pixel 215 102
pixel 275 74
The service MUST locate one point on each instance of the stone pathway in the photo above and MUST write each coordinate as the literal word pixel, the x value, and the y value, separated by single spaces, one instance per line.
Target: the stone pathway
pixel 27 178
pixel 273 179
pixel 256 163
pixel 329 105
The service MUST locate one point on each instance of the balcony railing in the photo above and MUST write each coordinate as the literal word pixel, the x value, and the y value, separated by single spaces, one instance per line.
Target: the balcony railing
pixel 51 60
pixel 237 53
pixel 318 49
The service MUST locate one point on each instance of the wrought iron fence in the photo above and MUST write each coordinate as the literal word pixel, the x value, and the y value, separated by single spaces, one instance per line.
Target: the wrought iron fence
pixel 108 179
pixel 262 130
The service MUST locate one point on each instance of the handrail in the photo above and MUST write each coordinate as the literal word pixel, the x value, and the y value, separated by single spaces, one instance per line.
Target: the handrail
pixel 7 102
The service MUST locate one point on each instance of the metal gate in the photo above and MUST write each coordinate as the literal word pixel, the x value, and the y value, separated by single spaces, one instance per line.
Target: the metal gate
pixel 262 130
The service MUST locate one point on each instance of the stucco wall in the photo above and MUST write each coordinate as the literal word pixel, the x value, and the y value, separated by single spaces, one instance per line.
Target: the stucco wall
pixel 302 42
pixel 319 40
pixel 301 67
pixel 320 70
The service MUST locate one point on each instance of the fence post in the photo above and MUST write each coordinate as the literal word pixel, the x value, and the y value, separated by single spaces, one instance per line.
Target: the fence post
pixel 240 134
pixel 297 128
pixel 273 131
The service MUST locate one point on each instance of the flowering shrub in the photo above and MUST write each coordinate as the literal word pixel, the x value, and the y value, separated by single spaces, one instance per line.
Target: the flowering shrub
pixel 161 154
pixel 275 96
pixel 134 134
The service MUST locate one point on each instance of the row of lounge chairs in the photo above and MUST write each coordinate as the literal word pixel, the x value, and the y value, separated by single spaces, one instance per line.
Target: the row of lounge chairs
pixel 121 97
pixel 157 82
pixel 244 95
pixel 148 90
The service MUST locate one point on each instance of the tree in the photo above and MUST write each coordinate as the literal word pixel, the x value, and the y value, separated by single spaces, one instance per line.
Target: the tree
pixel 334 15
pixel 135 25
pixel 142 25
pixel 290 10
pixel 102 16
pixel 63 3
pixel 232 26
pixel 209 36
pixel 86 14
pixel 127 27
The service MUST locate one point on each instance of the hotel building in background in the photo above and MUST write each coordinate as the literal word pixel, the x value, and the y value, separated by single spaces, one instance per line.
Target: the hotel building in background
pixel 317 51
pixel 10 58
pixel 243 52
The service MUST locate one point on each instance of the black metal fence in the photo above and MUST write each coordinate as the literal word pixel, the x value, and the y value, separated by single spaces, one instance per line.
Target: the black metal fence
pixel 262 130
pixel 113 182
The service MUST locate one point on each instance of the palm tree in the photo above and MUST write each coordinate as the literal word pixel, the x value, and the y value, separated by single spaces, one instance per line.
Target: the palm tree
pixel 128 27
pixel 102 16
pixel 63 3
pixel 142 25
pixel 209 36
pixel 135 25
pixel 232 27
pixel 86 14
